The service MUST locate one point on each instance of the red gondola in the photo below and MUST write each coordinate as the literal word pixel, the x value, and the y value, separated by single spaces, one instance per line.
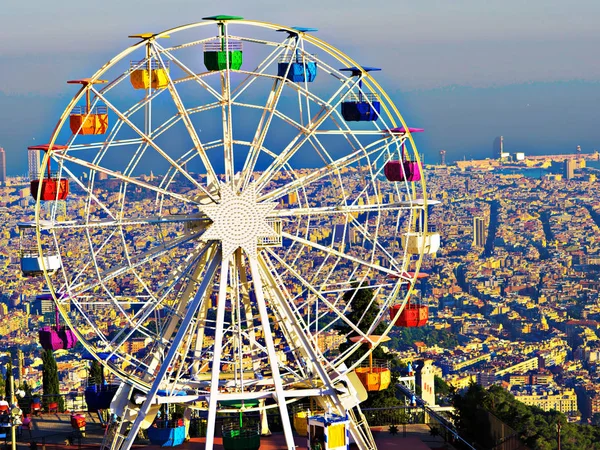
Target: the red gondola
pixel 413 315
pixel 53 187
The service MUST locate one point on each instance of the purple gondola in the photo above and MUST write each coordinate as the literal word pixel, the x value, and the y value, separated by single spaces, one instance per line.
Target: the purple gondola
pixel 55 337
pixel 404 170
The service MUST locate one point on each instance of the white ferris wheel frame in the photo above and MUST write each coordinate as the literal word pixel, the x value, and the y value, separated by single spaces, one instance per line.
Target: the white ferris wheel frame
pixel 210 256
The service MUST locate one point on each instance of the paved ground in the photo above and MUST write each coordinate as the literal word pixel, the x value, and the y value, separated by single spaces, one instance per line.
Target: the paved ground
pixel 52 431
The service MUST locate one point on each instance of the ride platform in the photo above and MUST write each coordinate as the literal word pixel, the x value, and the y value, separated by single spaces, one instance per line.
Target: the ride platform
pixel 54 429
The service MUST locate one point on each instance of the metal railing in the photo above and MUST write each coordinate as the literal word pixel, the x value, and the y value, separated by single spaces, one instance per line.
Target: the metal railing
pixel 82 110
pixel 378 363
pixel 73 402
pixel 400 415
pixel 443 426
pixel 53 175
pixel 361 98
pixel 153 65
pixel 275 240
pixel 218 46
pixel 300 58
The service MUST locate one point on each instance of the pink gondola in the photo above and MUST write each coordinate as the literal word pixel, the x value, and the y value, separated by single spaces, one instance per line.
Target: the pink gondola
pixel 404 170
pixel 56 337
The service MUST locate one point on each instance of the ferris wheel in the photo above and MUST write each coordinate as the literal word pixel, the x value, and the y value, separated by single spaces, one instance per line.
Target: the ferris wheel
pixel 232 189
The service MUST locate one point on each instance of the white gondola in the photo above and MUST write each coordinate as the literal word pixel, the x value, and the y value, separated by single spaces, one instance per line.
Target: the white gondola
pixel 417 241
pixel 32 264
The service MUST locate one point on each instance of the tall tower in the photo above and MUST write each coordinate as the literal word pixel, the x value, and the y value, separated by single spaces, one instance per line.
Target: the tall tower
pixel 427 381
pixel 442 157
pixel 2 166
pixel 33 164
pixel 498 147
pixel 478 232
pixel 570 165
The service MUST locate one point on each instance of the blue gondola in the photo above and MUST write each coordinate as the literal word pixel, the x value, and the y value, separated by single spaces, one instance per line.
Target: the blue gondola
pixel 297 66
pixel 166 433
pixel 360 107
pixel 99 397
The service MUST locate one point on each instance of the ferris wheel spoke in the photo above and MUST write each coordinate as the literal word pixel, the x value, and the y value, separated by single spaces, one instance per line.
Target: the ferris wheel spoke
pixel 177 276
pixel 273 360
pixel 310 288
pixel 315 122
pixel 119 176
pixel 226 113
pixel 217 348
pixel 339 209
pixel 324 171
pixel 377 245
pixel 151 142
pixel 183 112
pixel 81 269
pixel 305 342
pixel 314 245
pixel 261 131
pixel 208 257
pixel 171 354
pixel 256 74
pixel 191 74
pixel 92 197
pixel 171 173
pixel 101 145
pixel 139 261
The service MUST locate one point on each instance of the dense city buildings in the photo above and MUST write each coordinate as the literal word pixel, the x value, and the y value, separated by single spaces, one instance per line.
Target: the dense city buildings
pixel 515 284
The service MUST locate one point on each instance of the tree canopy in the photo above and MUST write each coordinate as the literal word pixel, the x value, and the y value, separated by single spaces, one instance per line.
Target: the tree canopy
pixel 50 383
pixel 96 373
pixel 537 429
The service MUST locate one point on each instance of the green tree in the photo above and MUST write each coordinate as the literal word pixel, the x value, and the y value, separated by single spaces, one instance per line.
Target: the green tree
pixel 537 429
pixel 96 373
pixel 2 386
pixel 363 312
pixel 7 383
pixel 50 384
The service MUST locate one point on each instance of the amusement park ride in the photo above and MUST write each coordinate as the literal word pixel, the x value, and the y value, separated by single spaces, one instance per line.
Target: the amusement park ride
pixel 220 278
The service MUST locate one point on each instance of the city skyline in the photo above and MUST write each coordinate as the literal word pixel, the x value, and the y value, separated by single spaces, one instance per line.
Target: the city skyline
pixel 493 83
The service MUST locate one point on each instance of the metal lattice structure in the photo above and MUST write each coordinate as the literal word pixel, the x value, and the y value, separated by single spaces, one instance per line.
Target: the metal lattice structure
pixel 220 273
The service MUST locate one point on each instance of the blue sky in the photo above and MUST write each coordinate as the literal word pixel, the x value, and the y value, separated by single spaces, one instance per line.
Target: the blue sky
pixel 466 70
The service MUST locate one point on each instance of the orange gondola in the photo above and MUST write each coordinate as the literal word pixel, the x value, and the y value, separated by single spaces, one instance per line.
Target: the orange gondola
pixel 86 120
pixel 375 377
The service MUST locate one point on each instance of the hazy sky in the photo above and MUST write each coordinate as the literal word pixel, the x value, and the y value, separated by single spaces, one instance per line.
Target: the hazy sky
pixel 466 70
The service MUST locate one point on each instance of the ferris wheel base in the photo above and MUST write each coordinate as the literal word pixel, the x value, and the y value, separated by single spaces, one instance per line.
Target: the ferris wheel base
pixel 349 393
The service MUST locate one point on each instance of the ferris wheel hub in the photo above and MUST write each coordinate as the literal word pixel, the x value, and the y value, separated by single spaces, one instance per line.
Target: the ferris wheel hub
pixel 238 220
